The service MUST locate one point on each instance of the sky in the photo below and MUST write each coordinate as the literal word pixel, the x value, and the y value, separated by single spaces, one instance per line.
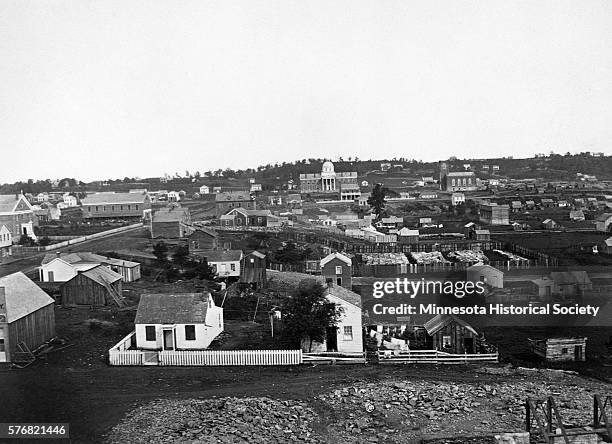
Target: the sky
pixel 108 89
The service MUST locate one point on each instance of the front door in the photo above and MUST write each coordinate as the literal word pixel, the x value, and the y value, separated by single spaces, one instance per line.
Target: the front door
pixel 468 345
pixel 332 339
pixel 168 340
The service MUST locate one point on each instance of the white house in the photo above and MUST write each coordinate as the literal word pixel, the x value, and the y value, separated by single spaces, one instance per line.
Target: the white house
pixel 346 336
pixel 174 196
pixel 204 189
pixel 185 321
pixel 225 263
pixel 69 200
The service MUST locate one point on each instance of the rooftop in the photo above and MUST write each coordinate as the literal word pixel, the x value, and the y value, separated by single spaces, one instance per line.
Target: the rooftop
pixel 22 296
pixel 182 308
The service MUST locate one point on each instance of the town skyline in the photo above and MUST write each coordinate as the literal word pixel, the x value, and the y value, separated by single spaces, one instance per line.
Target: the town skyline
pixel 99 87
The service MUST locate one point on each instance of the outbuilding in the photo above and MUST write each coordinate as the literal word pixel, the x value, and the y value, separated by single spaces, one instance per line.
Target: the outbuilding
pixel 27 317
pixel 97 286
pixel 559 349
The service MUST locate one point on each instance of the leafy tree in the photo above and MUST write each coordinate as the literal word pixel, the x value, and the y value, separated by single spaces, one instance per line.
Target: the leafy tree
pixel 308 314
pixel 44 241
pixel 180 255
pixel 289 254
pixel 26 241
pixel 160 250
pixel 377 200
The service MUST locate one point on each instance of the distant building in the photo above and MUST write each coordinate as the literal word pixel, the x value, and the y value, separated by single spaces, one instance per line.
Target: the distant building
pixel 603 223
pixel 493 214
pixel 6 241
pixel 203 239
pixel 110 205
pixel 242 217
pixel 328 180
pixel 253 270
pixel 228 201
pixel 226 263
pixel 559 349
pixel 337 268
pixel 457 180
pixel 550 224
pixel 204 189
pixel 457 199
pixel 576 215
pixel 18 216
pixel 171 223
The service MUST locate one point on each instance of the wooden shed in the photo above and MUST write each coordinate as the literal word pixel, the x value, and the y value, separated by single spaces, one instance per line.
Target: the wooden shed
pixel 96 287
pixel 559 349
pixel 203 239
pixel 451 334
pixel 253 270
pixel 27 317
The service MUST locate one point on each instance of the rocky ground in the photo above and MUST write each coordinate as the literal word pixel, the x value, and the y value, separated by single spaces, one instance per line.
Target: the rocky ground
pixel 391 410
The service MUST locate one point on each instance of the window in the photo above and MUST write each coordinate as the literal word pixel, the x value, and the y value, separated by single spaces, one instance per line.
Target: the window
pixel 339 281
pixel 338 269
pixel 348 332
pixel 2 345
pixel 233 267
pixel 150 333
pixel 446 341
pixel 564 351
pixel 453 182
pixel 190 334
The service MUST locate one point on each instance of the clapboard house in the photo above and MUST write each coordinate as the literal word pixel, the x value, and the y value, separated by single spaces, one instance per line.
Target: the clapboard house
pixel 253 270
pixel 27 317
pixel 17 215
pixel 98 286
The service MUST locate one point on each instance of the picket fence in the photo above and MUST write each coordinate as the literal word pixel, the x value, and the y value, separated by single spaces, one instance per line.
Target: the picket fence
pixel 231 357
pixel 433 357
pixel 205 357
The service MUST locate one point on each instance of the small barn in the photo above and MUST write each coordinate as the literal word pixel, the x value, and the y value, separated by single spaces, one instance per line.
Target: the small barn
pixel 27 317
pixel 559 349
pixel 171 223
pixel 253 270
pixel 98 286
pixel 450 334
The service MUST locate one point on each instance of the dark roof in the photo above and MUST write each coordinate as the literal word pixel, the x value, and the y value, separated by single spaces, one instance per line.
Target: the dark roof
pixel 171 214
pixel 102 275
pixel 182 308
pixel 220 255
pixel 207 231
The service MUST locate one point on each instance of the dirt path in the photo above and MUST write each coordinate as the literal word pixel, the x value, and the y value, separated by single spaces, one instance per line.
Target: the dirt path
pixel 93 401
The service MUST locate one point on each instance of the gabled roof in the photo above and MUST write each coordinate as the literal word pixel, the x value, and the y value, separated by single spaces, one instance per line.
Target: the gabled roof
pixel 407 232
pixel 205 230
pixel 247 212
pixel 22 296
pixel 9 203
pixel 333 256
pixel 342 293
pixel 256 254
pixel 608 242
pixel 438 322
pixel 113 198
pixel 182 308
pixel 484 267
pixel 570 277
pixel 220 255
pixel 101 275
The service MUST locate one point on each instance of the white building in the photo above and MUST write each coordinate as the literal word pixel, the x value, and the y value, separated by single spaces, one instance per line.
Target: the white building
pixel 204 189
pixel 457 198
pixel 6 241
pixel 61 267
pixel 174 196
pixel 346 336
pixel 328 180
pixel 69 200
pixel 226 263
pixel 188 321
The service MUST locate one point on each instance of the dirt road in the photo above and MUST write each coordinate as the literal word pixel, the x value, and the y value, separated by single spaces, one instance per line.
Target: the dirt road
pixel 93 401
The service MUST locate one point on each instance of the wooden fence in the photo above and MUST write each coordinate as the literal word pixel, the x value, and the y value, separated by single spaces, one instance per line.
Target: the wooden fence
pixel 231 357
pixel 433 357
pixel 119 355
